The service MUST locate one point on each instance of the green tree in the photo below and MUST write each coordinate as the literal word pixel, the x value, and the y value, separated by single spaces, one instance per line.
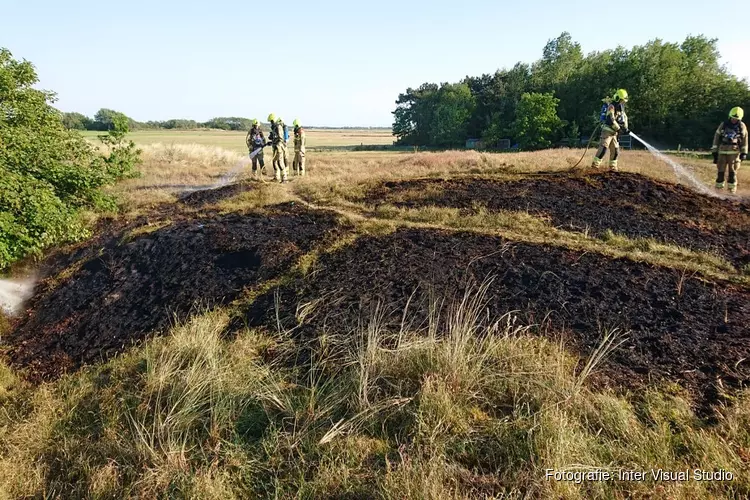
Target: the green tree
pixel 454 106
pixel 47 173
pixel 536 121
pixel 124 156
pixel 229 123
pixel 678 93
pixel 413 117
pixel 104 118
pixel 76 121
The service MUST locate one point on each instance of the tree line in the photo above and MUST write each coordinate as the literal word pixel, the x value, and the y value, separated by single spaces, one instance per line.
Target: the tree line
pixel 678 95
pixel 104 120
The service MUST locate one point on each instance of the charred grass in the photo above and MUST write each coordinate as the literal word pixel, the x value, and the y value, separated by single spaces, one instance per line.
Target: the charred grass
pixel 424 339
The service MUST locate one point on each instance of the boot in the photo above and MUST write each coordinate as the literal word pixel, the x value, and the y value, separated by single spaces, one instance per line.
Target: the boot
pixel 732 187
pixel 720 180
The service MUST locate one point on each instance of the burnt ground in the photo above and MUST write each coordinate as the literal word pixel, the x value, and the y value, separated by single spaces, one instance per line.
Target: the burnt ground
pixel 628 204
pixel 131 280
pixel 678 336
pixel 205 197
pixel 124 289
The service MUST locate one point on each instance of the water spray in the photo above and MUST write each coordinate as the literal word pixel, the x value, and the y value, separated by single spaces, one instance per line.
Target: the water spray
pixel 680 171
pixel 13 293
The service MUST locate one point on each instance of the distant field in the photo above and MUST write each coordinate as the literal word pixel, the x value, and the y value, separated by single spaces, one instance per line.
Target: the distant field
pixel 235 141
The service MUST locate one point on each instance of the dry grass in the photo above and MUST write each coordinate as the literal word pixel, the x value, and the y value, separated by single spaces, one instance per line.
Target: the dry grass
pixel 464 407
pixel 168 169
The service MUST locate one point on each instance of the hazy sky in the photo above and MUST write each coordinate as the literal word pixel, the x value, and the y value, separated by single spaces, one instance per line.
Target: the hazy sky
pixel 327 62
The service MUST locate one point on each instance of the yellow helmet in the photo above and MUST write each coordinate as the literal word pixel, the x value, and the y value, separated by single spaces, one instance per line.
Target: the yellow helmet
pixel 737 112
pixel 621 95
pixel 296 122
pixel 254 121
pixel 272 117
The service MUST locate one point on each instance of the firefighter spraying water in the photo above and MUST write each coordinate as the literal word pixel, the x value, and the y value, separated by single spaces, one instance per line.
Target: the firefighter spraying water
pixel 613 122
pixel 730 146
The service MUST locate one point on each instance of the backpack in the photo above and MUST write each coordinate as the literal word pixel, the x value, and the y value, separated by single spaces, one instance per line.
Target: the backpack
pixel 731 133
pixel 603 113
pixel 286 132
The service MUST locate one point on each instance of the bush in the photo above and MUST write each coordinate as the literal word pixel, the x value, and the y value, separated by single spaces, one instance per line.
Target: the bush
pixel 536 120
pixel 47 173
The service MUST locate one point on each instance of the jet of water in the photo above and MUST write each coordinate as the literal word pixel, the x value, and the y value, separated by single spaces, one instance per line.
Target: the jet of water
pixel 231 175
pixel 13 293
pixel 679 170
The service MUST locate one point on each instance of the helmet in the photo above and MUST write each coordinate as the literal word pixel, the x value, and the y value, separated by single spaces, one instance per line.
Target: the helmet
pixel 272 117
pixel 296 122
pixel 254 121
pixel 621 95
pixel 737 112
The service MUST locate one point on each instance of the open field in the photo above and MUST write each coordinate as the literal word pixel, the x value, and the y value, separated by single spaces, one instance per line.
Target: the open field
pixel 235 141
pixel 392 325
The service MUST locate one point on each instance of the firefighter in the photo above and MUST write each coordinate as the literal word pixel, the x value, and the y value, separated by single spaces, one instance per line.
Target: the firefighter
pixel 256 140
pixel 279 148
pixel 298 165
pixel 730 148
pixel 614 122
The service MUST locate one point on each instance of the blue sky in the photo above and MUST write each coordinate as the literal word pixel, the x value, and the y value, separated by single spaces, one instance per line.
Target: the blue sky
pixel 327 62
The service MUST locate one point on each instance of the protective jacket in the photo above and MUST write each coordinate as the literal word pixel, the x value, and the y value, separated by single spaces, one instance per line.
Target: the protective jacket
pixel 730 138
pixel 615 118
pixel 255 139
pixel 277 134
pixel 299 139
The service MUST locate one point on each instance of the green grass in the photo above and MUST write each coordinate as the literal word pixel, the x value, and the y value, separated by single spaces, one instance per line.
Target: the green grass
pixel 235 141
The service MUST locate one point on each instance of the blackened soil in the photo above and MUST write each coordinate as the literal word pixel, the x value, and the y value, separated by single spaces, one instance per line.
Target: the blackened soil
pixel 625 203
pixel 126 289
pixel 675 324
pixel 205 197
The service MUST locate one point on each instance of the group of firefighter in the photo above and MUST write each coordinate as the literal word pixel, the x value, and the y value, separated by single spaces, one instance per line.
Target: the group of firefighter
pixel 277 139
pixel 729 148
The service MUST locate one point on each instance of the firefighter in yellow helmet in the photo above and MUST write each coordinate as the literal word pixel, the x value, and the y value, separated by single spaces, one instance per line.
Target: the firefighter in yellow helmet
pixel 279 148
pixel 730 148
pixel 298 165
pixel 256 141
pixel 614 122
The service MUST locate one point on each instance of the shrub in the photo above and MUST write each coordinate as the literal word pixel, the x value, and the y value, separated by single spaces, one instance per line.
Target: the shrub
pixel 47 173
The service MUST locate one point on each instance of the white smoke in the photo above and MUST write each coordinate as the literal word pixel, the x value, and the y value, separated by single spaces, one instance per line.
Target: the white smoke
pixel 14 292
